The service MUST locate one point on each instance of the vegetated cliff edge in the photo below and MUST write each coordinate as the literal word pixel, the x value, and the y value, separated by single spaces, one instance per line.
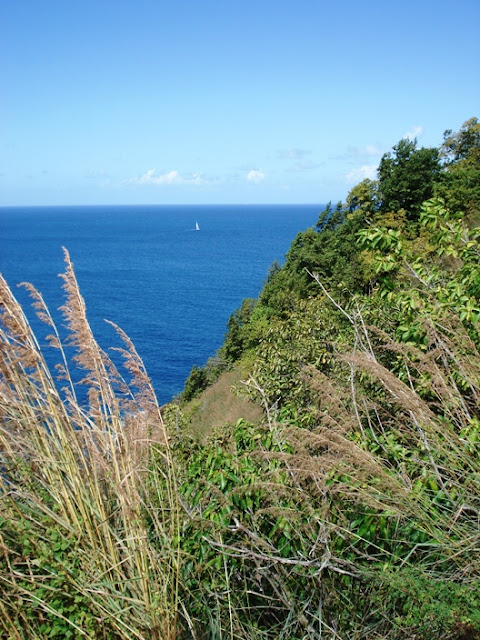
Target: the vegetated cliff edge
pixel 357 492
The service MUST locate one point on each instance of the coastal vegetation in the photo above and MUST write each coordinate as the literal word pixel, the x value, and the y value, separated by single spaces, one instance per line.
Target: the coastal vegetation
pixel 319 477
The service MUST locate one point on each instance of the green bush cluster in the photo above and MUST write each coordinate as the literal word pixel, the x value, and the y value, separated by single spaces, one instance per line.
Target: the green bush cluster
pixel 48 599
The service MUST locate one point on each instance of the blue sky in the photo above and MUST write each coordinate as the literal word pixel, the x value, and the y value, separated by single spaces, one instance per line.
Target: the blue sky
pixel 223 101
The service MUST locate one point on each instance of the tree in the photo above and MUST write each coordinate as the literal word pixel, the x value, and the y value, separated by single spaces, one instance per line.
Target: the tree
pixel 195 383
pixel 237 338
pixel 330 218
pixel 460 183
pixel 407 177
pixel 462 145
pixel 363 198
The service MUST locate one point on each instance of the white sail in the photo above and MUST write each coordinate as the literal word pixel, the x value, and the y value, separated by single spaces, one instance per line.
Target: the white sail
pixel 197 228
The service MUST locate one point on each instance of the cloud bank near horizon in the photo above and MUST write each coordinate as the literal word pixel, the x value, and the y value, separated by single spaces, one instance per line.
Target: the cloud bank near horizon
pixel 151 177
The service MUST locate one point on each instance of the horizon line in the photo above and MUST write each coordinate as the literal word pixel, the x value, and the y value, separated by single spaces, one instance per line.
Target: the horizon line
pixel 217 204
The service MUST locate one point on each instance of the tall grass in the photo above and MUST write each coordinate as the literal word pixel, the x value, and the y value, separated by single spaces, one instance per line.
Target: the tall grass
pixel 365 523
pixel 80 498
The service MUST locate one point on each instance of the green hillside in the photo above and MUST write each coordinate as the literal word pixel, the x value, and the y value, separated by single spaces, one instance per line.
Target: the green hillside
pixel 352 507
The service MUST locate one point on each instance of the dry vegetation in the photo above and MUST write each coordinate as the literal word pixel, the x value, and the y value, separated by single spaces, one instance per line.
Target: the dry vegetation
pixel 79 497
pixel 219 405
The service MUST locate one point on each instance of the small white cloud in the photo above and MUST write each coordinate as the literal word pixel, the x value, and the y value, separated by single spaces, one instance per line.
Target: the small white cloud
pixel 151 177
pixel 414 133
pixel 365 171
pixel 255 176
pixel 170 178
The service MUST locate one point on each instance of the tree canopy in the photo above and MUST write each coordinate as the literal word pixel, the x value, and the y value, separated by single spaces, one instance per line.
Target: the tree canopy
pixel 407 177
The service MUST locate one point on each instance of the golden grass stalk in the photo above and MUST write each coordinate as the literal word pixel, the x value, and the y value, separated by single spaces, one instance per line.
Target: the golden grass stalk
pixel 86 472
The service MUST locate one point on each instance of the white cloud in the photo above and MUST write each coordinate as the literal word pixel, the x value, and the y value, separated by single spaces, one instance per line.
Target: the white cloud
pixel 255 176
pixel 151 177
pixel 365 171
pixel 414 133
pixel 170 178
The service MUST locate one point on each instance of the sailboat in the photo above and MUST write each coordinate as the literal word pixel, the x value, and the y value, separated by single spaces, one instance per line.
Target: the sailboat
pixel 197 228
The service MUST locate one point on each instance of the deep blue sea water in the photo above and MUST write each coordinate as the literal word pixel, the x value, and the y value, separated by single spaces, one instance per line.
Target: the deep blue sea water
pixel 169 287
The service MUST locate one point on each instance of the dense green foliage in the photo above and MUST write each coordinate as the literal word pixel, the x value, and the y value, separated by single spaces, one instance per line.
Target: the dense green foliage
pixel 407 178
pixel 349 510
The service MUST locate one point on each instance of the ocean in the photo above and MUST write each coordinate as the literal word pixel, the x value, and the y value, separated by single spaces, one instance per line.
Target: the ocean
pixel 170 287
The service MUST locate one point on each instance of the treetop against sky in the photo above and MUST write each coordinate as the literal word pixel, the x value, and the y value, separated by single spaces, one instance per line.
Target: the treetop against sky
pixel 214 102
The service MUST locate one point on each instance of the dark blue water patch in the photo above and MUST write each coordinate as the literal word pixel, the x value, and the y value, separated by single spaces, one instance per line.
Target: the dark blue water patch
pixel 169 287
